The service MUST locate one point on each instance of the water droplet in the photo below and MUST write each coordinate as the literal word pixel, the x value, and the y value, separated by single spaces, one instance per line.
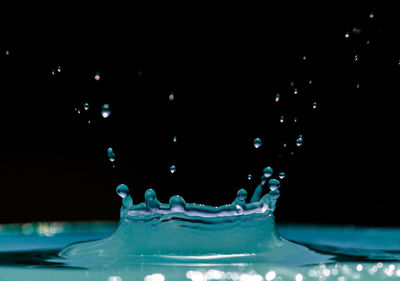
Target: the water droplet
pixel 249 177
pixel 292 84
pixel 172 169
pixel 284 145
pixel 295 120
pixel 59 68
pixel 257 142
pixel 347 35
pixel 309 82
pixel 277 97
pixel 282 175
pixel 105 110
pixel 53 72
pixel 122 190
pixel 304 58
pixel 86 106
pixel 368 42
pixel 356 30
pixel 140 73
pixel 295 91
pixel 299 141
pixel 282 119
pixel 7 52
pixel 174 139
pixel 171 96
pixel 111 154
pixel 314 106
pixel 268 172
pixel 241 197
pixel 97 77
pixel 273 184
pixel 371 15
pixel 355 58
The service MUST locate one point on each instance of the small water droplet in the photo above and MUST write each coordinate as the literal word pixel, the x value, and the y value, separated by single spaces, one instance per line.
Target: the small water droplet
pixel 314 105
pixel 257 142
pixel 53 72
pixel 355 58
pixel 295 91
pixel 122 190
pixel 304 57
pixel 140 73
pixel 277 97
pixel 284 145
pixel 111 154
pixel 241 196
pixel 268 172
pixel 97 77
pixel 59 68
pixel 295 120
pixel 292 84
pixel 299 141
pixel 86 106
pixel 371 15
pixel 309 82
pixel 273 184
pixel 356 30
pixel 7 52
pixel 282 119
pixel 368 42
pixel 347 35
pixel 105 110
pixel 282 175
pixel 249 177
pixel 172 169
pixel 171 96
pixel 174 139
pixel 78 111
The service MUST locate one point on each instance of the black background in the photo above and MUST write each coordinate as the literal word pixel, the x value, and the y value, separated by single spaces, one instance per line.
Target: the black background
pixel 225 66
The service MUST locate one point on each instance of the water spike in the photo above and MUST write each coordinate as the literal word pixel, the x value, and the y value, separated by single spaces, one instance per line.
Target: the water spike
pixel 274 195
pixel 241 198
pixel 177 203
pixel 127 202
pixel 151 201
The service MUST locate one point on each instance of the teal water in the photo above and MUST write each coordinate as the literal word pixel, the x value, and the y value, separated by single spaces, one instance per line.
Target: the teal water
pixel 157 241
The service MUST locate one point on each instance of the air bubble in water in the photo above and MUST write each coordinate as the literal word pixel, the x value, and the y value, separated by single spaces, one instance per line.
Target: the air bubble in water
pixel 86 106
pixel 122 190
pixel 105 110
pixel 172 169
pixel 111 154
pixel 282 175
pixel 273 184
pixel 257 142
pixel 268 172
pixel 277 97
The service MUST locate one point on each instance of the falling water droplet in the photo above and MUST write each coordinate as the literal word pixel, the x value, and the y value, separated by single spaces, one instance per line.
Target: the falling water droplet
pixel 105 110
pixel 295 91
pixel 174 139
pixel 97 77
pixel 371 15
pixel 284 145
pixel 172 169
pixel 282 175
pixel 7 52
pixel 59 68
pixel 282 119
pixel 268 172
pixel 111 154
pixel 314 106
pixel 299 141
pixel 86 106
pixel 295 120
pixel 347 35
pixel 273 184
pixel 355 58
pixel 277 97
pixel 122 190
pixel 171 96
pixel 257 142
pixel 309 82
pixel 304 57
pixel 249 177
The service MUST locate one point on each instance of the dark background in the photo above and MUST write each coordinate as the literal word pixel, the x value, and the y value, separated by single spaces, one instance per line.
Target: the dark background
pixel 225 66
